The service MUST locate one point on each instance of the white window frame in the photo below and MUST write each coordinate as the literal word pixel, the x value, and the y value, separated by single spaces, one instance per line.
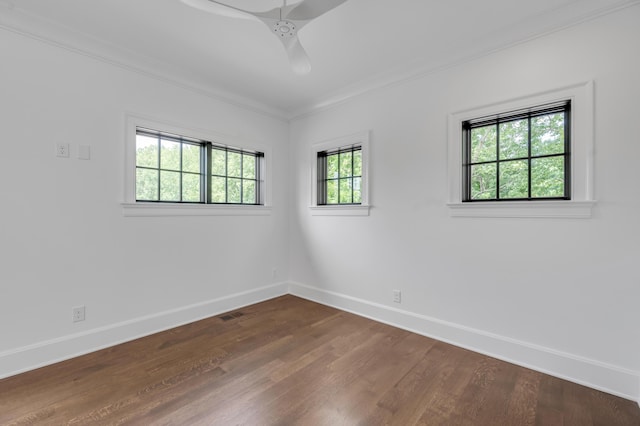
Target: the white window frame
pixel 582 148
pixel 360 139
pixel 132 208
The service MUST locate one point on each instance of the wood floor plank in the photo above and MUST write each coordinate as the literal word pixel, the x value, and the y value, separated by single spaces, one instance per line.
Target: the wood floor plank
pixel 417 391
pixel 288 361
pixel 550 402
pixel 575 412
pixel 521 408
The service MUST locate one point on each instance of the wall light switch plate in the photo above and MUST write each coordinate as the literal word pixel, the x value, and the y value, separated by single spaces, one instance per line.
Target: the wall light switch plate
pixel 84 152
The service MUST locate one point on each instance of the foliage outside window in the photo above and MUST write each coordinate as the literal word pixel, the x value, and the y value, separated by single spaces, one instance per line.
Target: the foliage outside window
pixel 340 176
pixel 522 155
pixel 178 169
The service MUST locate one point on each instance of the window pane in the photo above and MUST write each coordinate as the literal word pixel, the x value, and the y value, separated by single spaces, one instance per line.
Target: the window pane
pixel 332 192
pixel 248 192
pixel 146 151
pixel 547 177
pixel 248 166
pixel 357 190
pixel 357 163
pixel 234 190
pixel 146 184
pixel 169 155
pixel 346 192
pixel 514 179
pixel 483 181
pixel 234 164
pixel 218 162
pixel 547 134
pixel 483 144
pixel 191 187
pixel 345 165
pixel 514 139
pixel 332 166
pixel 190 158
pixel 218 190
pixel 169 186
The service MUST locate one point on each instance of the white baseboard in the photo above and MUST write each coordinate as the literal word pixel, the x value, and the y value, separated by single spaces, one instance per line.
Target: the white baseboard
pixel 48 352
pixel 594 374
pixel 605 377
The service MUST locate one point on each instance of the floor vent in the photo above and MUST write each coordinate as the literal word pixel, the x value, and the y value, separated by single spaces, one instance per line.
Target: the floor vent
pixel 231 316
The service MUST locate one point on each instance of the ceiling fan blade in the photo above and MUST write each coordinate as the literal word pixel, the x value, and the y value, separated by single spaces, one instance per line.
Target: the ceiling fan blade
pixel 297 56
pixel 220 9
pixel 310 9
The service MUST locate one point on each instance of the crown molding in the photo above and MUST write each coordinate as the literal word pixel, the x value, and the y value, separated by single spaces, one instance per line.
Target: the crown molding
pixel 18 21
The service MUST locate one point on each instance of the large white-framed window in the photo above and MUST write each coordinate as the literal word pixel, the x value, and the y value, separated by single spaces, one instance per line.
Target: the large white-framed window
pixel 339 176
pixel 575 202
pixel 171 170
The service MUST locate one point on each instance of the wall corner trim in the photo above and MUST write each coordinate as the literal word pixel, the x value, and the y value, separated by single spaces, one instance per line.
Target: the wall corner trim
pixel 588 372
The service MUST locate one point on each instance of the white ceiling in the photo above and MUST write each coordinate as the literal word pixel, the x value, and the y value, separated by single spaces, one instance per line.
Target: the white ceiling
pixel 357 46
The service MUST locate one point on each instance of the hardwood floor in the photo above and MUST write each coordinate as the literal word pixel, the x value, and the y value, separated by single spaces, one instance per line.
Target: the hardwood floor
pixel 289 361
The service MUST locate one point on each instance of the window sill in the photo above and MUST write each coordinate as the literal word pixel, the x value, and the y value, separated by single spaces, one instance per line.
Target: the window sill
pixel 171 209
pixel 356 210
pixel 523 209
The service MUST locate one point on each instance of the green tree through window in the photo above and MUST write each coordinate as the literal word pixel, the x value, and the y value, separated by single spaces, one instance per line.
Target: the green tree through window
pixel 172 168
pixel 340 176
pixel 523 155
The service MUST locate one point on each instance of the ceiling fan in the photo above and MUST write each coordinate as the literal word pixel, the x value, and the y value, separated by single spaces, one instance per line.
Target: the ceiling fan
pixel 284 22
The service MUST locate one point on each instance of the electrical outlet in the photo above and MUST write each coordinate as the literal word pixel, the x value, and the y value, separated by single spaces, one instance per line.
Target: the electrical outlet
pixel 397 296
pixel 62 150
pixel 78 313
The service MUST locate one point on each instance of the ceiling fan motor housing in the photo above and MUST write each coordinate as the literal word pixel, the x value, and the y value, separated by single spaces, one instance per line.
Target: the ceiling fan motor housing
pixel 284 29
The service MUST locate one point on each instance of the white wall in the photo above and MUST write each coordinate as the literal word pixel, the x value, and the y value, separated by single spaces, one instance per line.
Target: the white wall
pixel 560 295
pixel 63 238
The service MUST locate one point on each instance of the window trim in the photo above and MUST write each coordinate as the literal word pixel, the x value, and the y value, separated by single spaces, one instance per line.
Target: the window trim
pixel 360 139
pixel 582 146
pixel 133 208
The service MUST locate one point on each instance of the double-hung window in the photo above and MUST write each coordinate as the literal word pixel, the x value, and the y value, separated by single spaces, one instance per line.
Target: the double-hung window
pixel 520 155
pixel 178 169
